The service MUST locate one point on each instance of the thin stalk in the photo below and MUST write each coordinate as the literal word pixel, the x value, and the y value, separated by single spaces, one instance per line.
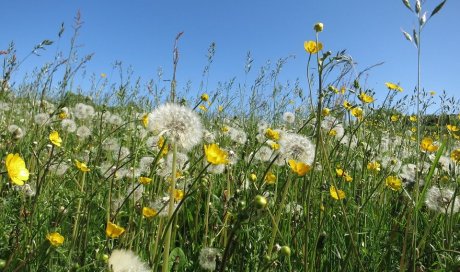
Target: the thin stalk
pixel 278 217
pixel 172 188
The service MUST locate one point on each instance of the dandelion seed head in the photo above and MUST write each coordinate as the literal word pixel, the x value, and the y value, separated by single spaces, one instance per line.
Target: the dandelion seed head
pixel 208 257
pixel 69 125
pixel 83 132
pixel 178 123
pixel 126 261
pixel 42 119
pixel 297 147
pixel 83 111
pixel 263 154
pixel 16 131
pixel 59 169
pixel 442 200
pixel 115 120
pixel 289 117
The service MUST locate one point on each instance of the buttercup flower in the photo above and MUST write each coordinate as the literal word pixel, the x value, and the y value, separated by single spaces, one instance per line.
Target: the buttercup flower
pixel 215 155
pixel 16 168
pixel 149 212
pixel 204 97
pixel 55 138
pixel 144 180
pixel 312 47
pixel 336 193
pixel 393 182
pixel 113 231
pixel 393 86
pixel 55 238
pixel 82 166
pixel 365 98
pixel 428 145
pixel 300 168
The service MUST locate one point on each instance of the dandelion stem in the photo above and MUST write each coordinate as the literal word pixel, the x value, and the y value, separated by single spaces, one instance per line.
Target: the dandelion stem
pixel 172 187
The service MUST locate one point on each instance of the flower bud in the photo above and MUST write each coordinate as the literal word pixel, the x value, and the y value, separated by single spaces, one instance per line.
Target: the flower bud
pixel 318 27
pixel 285 251
pixel 422 19
pixel 418 6
pixel 260 202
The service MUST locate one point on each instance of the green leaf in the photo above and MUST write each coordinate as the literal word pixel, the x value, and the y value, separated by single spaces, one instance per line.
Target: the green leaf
pixel 438 8
pixel 407 4
pixel 177 259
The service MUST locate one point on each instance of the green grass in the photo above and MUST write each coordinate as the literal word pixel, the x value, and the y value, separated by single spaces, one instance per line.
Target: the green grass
pixel 241 219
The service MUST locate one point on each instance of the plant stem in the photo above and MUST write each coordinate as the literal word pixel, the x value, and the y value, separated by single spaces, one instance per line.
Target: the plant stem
pixel 172 188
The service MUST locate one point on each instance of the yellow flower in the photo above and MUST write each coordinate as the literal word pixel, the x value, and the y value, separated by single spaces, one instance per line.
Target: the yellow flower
pixel 82 166
pixel 220 108
pixel 312 47
pixel 253 177
pixel 393 182
pixel 272 134
pixel 144 180
pixel 333 89
pixel 336 193
pixel 203 108
pixel 413 118
pixel 341 173
pixel 149 212
pixel 225 129
pixel 432 93
pixel 215 155
pixel 145 120
pixel 160 143
pixel 318 27
pixel 325 111
pixel 270 178
pixel 453 128
pixel 55 139
pixel 16 168
pixel 393 86
pixel 365 98
pixel 204 97
pixel 455 155
pixel 373 166
pixel 394 118
pixel 55 238
pixel 298 167
pixel 357 112
pixel 178 194
pixel 347 105
pixel 62 115
pixel 274 146
pixel 427 145
pixel 332 132
pixel 113 230
pixel 103 75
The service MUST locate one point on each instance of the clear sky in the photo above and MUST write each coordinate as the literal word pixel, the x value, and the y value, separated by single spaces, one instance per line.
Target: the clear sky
pixel 141 33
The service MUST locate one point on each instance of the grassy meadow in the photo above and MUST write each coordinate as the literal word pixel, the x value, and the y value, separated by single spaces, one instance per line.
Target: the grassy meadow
pixel 260 176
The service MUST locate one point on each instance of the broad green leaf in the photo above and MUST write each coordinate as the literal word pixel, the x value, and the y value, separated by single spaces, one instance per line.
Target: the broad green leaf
pixel 177 259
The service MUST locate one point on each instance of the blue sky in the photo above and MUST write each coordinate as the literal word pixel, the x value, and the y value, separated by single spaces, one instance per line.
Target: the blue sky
pixel 141 33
